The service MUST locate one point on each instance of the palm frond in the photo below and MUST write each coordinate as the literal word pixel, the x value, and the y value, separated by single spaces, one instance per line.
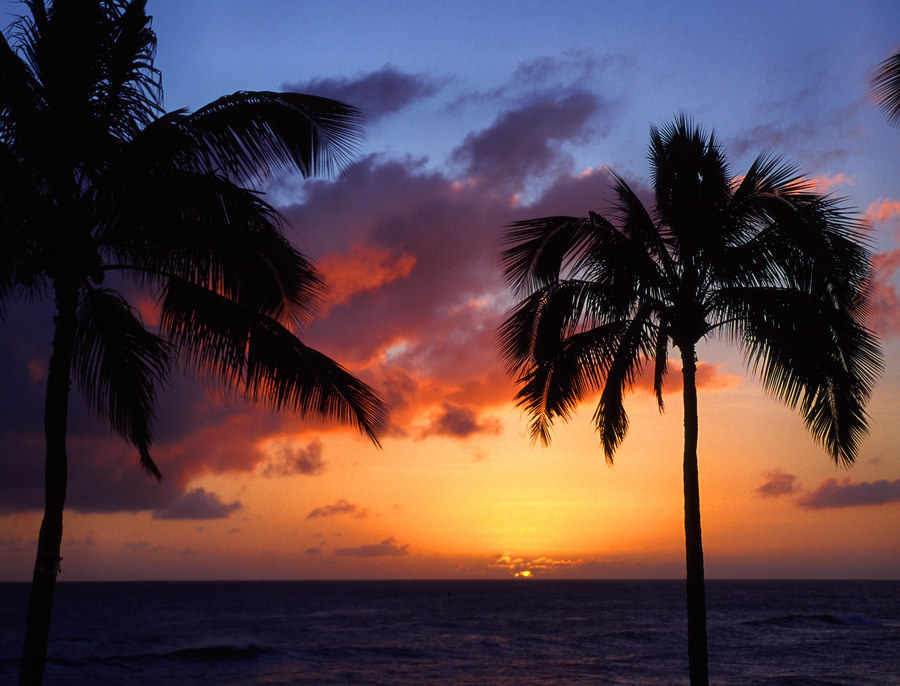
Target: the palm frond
pixel 691 185
pixel 660 362
pixel 17 92
pixel 541 248
pixel 886 87
pixel 119 365
pixel 553 385
pixel 255 355
pixel 251 136
pixel 539 323
pixel 830 381
pixel 638 225
pixel 205 229
pixel 131 90
pixel 635 344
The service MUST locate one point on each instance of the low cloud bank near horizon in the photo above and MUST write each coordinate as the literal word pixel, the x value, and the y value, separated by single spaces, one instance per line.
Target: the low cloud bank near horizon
pixel 389 547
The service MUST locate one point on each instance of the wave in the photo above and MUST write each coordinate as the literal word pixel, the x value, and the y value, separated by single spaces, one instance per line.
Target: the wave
pixel 222 651
pixel 811 620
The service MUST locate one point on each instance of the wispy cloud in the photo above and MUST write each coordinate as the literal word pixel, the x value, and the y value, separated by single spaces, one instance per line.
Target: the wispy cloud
pixel 386 548
pixel 846 493
pixel 341 507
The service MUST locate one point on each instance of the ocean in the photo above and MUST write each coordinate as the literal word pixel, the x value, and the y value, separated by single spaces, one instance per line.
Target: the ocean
pixel 798 633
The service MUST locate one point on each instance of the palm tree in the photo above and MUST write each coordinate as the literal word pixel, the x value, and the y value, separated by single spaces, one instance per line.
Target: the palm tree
pixel 759 259
pixel 886 87
pixel 104 195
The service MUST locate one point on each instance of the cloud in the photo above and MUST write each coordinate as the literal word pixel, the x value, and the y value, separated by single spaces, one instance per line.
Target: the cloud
pixel 458 422
pixel 314 550
pixel 832 493
pixel 387 548
pixel 524 142
pixel 824 184
pixel 377 94
pixel 198 504
pixel 884 310
pixel 291 459
pixel 341 507
pixel 525 568
pixel 14 544
pixel 882 210
pixel 364 268
pixel 778 484
pixel 143 546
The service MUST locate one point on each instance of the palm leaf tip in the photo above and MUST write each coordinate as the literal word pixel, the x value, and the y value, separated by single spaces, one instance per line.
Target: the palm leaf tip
pixel 886 87
pixel 148 465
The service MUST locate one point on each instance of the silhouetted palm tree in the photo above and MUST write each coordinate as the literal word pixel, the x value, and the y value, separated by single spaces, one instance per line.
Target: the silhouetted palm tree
pixel 886 86
pixel 758 259
pixel 103 194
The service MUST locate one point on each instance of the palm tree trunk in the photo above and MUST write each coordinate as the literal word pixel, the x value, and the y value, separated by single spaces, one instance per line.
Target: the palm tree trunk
pixel 696 592
pixel 46 566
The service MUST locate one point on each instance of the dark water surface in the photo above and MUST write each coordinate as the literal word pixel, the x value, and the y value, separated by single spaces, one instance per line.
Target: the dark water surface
pixel 459 632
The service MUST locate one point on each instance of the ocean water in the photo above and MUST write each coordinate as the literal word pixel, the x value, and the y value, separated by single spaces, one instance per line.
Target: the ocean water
pixel 799 633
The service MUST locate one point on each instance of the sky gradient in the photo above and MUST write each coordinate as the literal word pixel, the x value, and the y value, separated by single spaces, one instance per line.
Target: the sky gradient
pixel 478 115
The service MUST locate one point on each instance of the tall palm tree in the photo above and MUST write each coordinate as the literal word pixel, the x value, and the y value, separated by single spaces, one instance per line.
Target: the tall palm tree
pixel 886 87
pixel 759 259
pixel 104 195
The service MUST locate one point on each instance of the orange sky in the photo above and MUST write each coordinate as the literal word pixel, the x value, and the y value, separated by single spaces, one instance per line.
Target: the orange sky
pixel 408 239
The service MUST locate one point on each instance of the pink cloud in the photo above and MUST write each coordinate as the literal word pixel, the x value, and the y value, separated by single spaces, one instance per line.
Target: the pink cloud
pixel 824 184
pixel 884 314
pixel 364 268
pixel 882 210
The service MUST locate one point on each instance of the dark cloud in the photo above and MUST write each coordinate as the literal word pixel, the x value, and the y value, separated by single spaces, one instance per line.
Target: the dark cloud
pixel 387 548
pixel 376 94
pixel 846 493
pixel 290 460
pixel 314 550
pixel 198 504
pixel 458 422
pixel 341 507
pixel 778 483
pixel 524 143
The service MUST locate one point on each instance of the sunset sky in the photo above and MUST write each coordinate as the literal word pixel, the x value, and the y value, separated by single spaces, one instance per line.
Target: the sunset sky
pixel 480 114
